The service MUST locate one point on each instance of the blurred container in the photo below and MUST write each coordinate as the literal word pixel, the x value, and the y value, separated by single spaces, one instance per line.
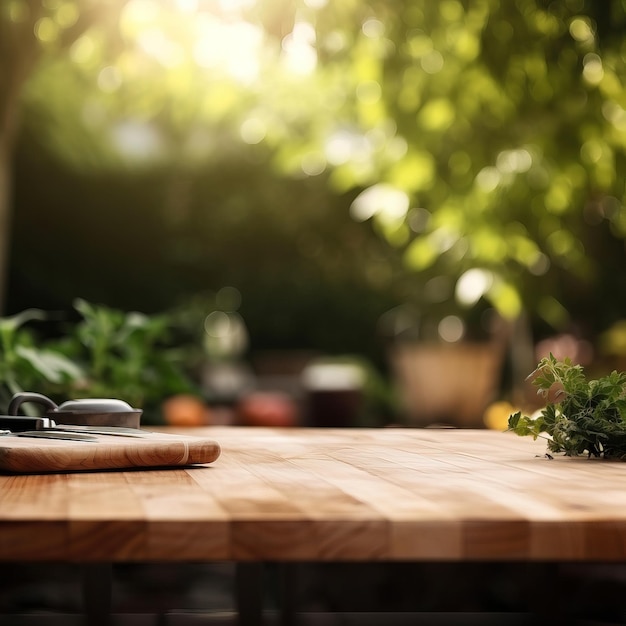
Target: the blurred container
pixel 333 394
pixel 267 408
pixel 186 410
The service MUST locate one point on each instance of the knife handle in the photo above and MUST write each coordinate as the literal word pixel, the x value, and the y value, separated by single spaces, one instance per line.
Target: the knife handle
pixel 21 423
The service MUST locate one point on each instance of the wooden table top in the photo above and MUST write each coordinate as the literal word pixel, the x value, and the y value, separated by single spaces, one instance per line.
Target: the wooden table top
pixel 318 494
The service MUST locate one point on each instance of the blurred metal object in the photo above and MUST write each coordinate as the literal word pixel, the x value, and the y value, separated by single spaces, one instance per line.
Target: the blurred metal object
pixel 54 434
pixel 86 412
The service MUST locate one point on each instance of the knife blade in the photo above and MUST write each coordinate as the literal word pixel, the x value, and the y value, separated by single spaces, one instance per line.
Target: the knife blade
pixel 117 431
pixel 52 434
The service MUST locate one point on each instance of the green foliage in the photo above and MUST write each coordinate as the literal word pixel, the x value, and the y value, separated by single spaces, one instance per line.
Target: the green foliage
pixel 509 103
pixel 582 416
pixel 500 124
pixel 125 355
pixel 106 354
pixel 25 366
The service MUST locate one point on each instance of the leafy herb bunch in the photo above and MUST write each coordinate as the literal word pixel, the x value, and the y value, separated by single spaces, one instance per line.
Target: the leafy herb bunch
pixel 581 416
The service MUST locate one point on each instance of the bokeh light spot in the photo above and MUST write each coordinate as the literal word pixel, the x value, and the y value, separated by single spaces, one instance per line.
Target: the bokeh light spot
pixel 472 285
pixel 373 28
pixel 253 130
pixel 380 199
pixel 46 30
pixel 451 328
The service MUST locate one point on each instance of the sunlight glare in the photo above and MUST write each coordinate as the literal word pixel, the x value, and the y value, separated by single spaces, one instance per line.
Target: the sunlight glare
pixel 138 13
pixel 342 146
pixel 472 285
pixel 187 6
pixel 299 53
pixel 156 44
pixel 383 200
pixel 236 6
pixel 218 40
pixel 234 47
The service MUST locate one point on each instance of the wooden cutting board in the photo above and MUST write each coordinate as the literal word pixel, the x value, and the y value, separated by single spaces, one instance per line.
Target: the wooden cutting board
pixel 30 455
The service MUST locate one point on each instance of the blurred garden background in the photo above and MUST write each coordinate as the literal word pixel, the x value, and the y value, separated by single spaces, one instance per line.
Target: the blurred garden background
pixel 246 200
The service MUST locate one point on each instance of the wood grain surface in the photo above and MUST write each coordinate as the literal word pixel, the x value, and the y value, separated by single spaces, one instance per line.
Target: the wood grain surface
pixel 36 455
pixel 325 494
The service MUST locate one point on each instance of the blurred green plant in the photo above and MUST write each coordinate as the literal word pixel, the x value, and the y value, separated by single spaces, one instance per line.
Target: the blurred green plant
pixel 125 355
pixel 481 140
pixel 613 340
pixel 27 366
pixel 107 353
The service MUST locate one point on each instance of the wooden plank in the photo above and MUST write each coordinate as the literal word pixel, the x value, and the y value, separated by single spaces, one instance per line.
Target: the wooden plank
pixel 106 519
pixel 263 522
pixel 33 518
pixel 183 521
pixel 386 501
pixel 449 517
pixel 34 455
pixel 328 494
pixel 426 515
pixel 344 528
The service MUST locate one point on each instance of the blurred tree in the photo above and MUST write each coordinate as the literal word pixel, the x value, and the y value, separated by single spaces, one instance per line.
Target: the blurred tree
pixel 30 29
pixel 487 137
pixel 481 139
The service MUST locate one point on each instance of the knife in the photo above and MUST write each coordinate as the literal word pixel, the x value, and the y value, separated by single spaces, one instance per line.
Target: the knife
pixel 21 423
pixel 50 434
pixel 117 431
pixel 17 423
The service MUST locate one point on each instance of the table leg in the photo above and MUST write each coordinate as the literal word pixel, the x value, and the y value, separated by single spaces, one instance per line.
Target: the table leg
pixel 97 593
pixel 249 593
pixel 288 579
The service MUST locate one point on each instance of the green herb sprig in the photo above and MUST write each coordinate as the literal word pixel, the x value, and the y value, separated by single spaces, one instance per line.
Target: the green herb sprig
pixel 581 416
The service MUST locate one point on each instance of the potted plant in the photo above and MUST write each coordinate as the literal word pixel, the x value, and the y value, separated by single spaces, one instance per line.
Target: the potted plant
pixel 107 353
pixel 447 363
pixel 26 364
